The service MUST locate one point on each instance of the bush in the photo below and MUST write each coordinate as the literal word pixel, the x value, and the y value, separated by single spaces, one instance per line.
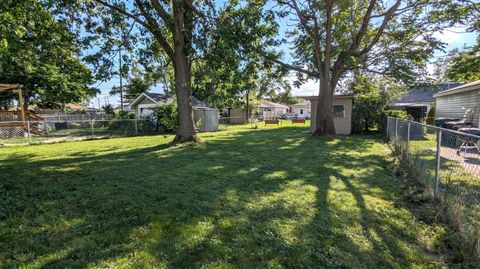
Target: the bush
pixel 124 115
pixel 431 115
pixel 166 117
pixel 401 114
pixel 124 126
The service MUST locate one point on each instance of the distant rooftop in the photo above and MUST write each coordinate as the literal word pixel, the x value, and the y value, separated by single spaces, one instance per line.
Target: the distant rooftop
pixel 269 104
pixel 166 98
pixel 425 94
pixel 475 85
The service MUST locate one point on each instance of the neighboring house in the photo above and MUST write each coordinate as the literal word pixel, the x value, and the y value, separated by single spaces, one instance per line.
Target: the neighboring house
pixel 461 102
pixel 126 107
pixel 142 105
pixel 270 110
pixel 342 113
pixel 418 101
pixel 205 118
pixel 301 110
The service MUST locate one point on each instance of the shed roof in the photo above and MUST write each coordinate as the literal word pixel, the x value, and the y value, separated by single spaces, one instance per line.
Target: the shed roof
pixel 158 98
pixel 475 85
pixel 424 94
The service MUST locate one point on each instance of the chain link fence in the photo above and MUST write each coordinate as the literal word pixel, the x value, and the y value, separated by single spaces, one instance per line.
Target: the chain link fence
pixel 36 132
pixel 447 163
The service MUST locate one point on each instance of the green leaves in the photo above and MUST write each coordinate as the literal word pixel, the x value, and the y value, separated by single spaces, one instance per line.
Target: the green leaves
pixel 41 53
pixel 465 66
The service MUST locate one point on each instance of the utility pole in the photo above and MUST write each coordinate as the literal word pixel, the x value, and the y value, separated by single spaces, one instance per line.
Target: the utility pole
pixel 120 65
pixel 120 73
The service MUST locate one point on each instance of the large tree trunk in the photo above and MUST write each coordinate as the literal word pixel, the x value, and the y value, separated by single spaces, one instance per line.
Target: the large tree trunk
pixel 186 129
pixel 183 88
pixel 324 118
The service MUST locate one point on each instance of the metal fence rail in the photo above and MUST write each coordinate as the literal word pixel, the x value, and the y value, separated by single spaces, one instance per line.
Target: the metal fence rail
pixel 447 162
pixel 33 132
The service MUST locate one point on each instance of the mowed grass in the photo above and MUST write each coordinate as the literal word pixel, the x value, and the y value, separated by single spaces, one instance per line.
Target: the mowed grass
pixel 244 198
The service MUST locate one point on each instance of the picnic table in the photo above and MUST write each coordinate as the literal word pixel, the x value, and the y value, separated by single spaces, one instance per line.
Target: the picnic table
pixel 468 141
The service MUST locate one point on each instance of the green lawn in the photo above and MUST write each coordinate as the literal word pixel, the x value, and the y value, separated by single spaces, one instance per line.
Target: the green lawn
pixel 244 198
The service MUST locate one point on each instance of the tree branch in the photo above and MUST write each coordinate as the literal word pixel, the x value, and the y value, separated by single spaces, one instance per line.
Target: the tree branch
pixel 296 68
pixel 162 13
pixel 154 28
pixel 388 16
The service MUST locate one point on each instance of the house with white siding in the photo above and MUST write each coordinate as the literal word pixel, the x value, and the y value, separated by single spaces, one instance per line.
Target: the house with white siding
pixel 417 102
pixel 461 102
pixel 271 110
pixel 143 104
pixel 301 110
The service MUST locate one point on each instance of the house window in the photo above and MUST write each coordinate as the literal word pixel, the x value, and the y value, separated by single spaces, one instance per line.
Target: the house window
pixel 301 111
pixel 338 111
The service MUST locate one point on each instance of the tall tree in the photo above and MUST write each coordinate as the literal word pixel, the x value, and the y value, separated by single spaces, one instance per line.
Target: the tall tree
pixel 231 69
pixel 462 66
pixel 332 37
pixel 171 25
pixel 41 53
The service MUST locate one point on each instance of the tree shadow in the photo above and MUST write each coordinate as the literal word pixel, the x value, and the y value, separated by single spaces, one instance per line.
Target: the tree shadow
pixel 255 198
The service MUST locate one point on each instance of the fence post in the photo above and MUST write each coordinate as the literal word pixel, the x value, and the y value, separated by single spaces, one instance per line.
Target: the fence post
pixel 437 164
pixel 136 127
pixel 387 130
pixel 408 141
pixel 396 130
pixel 91 125
pixel 28 133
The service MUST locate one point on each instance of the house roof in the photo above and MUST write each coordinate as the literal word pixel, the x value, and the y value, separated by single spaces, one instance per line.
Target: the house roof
pixel 268 104
pixel 335 96
pixel 158 98
pixel 475 85
pixel 424 94
pixel 79 107
pixel 305 103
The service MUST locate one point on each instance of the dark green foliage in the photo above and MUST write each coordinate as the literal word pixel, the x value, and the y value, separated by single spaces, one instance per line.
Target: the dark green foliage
pixel 372 95
pixel 124 115
pixel 401 114
pixel 166 117
pixel 108 109
pixel 465 66
pixel 41 53
pixel 431 115
pixel 232 65
pixel 127 127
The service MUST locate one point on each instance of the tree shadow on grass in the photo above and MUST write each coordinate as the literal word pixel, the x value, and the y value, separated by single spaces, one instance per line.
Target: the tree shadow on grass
pixel 261 198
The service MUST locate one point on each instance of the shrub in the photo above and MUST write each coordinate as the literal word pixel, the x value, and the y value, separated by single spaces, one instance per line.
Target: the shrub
pixel 401 114
pixel 124 126
pixel 431 115
pixel 166 117
pixel 124 115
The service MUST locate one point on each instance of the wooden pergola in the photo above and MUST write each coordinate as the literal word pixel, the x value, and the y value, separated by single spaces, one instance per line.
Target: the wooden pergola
pixel 18 89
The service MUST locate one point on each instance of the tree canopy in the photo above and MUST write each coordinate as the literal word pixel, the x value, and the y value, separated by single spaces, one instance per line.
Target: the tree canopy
pixel 332 38
pixel 40 52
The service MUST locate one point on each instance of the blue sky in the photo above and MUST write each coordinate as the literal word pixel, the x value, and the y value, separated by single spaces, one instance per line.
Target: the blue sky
pixel 455 38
